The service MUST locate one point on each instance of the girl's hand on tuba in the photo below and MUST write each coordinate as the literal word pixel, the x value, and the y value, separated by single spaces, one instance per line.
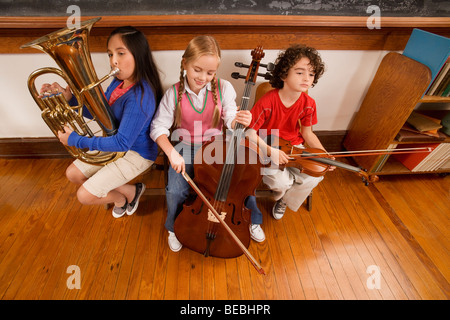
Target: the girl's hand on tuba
pixel 64 136
pixel 55 88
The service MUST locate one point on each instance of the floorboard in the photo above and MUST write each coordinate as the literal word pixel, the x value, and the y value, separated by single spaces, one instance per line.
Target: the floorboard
pixel 397 229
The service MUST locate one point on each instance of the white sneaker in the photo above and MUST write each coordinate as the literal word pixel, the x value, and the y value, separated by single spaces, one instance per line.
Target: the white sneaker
pixel 257 233
pixel 174 244
pixel 279 209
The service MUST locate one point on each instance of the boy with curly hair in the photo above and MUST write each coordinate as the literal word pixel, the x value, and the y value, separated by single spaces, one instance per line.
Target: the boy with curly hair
pixel 289 113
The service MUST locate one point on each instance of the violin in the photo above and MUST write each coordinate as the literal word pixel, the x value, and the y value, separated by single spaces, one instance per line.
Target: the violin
pixel 217 222
pixel 317 162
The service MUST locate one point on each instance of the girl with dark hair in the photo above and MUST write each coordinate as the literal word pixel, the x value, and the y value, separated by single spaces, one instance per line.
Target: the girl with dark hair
pixel 133 95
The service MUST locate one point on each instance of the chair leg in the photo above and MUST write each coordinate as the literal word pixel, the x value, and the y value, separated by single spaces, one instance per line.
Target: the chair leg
pixel 166 170
pixel 309 202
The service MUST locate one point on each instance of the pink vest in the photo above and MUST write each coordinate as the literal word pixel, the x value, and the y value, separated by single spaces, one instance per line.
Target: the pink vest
pixel 196 125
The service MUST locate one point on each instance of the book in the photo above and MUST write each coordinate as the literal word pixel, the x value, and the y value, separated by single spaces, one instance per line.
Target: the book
pixel 414 159
pixel 432 161
pixel 429 49
pixel 446 92
pixel 440 83
pixel 445 122
pixel 408 134
pixel 423 123
pixel 441 159
pixel 382 161
pixel 446 165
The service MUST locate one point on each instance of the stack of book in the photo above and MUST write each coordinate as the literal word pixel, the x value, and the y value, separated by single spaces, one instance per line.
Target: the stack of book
pixel 420 127
pixel 437 159
pixel 409 134
pixel 437 59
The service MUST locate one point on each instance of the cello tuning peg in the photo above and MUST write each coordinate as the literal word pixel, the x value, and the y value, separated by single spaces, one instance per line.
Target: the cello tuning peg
pixel 270 66
pixel 236 75
pixel 241 65
pixel 267 75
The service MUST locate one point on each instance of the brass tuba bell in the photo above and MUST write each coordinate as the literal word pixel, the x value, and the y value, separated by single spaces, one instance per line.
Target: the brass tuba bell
pixel 70 49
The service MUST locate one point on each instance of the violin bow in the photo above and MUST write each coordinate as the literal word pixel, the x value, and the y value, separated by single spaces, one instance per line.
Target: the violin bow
pixel 224 224
pixel 360 153
pixel 324 158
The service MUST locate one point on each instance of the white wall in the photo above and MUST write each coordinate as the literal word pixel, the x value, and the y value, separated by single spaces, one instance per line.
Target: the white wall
pixel 338 93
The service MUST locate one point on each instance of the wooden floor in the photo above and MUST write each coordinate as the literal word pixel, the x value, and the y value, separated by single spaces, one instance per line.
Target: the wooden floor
pixel 395 231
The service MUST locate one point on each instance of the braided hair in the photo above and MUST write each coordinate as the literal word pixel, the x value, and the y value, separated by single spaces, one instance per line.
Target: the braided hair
pixel 197 47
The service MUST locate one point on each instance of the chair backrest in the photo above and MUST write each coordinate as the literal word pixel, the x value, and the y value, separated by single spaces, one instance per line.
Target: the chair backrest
pixel 262 89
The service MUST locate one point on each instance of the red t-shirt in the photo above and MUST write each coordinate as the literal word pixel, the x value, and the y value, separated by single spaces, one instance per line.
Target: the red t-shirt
pixel 271 115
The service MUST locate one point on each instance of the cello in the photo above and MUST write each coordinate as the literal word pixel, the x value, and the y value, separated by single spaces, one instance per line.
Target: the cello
pixel 227 171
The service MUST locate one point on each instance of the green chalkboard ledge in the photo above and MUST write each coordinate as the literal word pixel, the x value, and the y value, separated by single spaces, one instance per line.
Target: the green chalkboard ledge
pixel 172 32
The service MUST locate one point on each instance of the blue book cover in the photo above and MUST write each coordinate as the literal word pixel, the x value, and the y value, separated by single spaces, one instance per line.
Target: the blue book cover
pixel 429 49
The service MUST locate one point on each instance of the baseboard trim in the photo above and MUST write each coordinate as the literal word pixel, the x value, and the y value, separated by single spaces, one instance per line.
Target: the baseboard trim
pixel 32 148
pixel 332 141
pixel 51 147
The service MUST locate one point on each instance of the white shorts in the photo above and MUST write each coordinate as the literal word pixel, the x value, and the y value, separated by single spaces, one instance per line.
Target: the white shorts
pixel 103 179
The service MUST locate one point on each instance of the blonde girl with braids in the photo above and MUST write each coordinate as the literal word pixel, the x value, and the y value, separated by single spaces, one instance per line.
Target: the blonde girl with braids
pixel 181 90
pixel 191 112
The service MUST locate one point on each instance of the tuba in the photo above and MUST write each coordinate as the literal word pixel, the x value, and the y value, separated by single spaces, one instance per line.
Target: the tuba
pixel 69 48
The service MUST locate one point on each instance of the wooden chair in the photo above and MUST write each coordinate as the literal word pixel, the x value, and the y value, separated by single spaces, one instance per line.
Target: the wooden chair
pixel 263 190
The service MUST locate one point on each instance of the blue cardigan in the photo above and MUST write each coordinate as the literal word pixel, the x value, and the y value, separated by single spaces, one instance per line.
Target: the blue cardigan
pixel 134 129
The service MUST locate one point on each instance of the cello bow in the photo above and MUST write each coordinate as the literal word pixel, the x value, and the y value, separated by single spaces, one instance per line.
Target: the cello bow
pixel 224 224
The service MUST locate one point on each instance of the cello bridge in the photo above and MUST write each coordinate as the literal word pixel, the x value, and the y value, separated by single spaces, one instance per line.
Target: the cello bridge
pixel 212 217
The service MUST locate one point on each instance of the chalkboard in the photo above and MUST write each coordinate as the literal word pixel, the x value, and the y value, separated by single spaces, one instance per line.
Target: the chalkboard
pixel 404 8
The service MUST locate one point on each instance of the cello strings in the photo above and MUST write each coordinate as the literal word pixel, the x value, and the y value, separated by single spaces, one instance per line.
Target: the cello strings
pixel 228 168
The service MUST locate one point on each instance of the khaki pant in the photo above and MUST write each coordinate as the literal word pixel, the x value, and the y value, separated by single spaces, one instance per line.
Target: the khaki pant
pixel 103 179
pixel 291 185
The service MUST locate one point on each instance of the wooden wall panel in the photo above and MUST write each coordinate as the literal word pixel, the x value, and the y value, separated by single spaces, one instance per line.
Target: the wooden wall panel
pixel 236 32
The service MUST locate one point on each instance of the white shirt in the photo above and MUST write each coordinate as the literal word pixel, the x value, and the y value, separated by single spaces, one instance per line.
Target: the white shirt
pixel 164 116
